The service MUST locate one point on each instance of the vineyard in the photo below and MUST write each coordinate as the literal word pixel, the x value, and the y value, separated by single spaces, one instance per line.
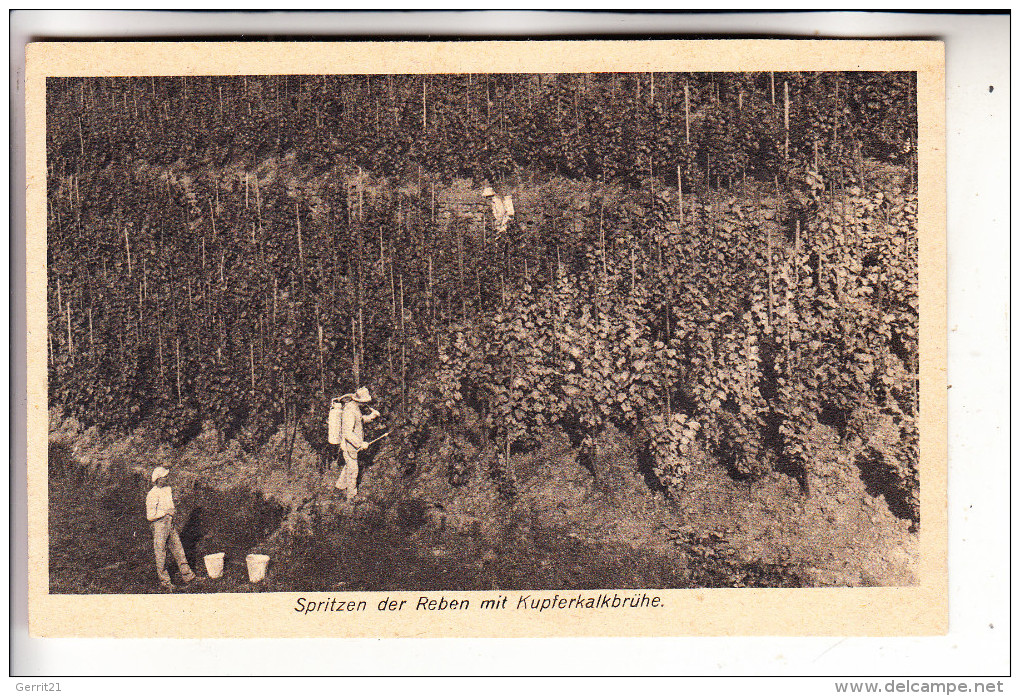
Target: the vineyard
pixel 711 266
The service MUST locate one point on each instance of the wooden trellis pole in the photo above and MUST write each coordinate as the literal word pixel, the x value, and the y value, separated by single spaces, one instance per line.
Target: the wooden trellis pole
pixel 680 193
pixel 403 347
pixel 460 270
pixel 300 246
pixel 258 202
pixel 70 339
pixel 429 295
pixel 687 114
pixel 632 270
pixel 768 240
pixel 393 295
pixel 786 118
pixel 602 236
pixel 159 348
pixel 835 121
pixel 127 249
pixel 361 332
pixel 322 361
pixel 355 367
pixel 178 370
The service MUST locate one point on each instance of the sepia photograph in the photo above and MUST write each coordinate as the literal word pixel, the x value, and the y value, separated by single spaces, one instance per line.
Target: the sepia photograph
pixel 374 332
pixel 600 332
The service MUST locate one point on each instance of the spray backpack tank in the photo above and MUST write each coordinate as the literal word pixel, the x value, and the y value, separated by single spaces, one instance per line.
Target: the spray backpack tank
pixel 336 409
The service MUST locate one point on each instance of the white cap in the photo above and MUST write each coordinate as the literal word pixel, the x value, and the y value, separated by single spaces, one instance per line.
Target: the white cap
pixel 487 191
pixel 158 473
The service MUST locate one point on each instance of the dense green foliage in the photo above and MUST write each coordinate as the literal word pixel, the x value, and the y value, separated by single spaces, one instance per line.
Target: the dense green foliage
pixel 210 257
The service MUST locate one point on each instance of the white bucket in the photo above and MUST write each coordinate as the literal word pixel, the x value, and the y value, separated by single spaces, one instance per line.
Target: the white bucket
pixel 214 565
pixel 257 564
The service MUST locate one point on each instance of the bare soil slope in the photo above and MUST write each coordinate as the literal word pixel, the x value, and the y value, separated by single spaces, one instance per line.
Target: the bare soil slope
pixel 411 529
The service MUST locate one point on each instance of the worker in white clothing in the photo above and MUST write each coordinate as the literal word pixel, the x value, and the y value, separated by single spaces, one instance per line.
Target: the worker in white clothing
pixel 159 510
pixel 502 208
pixel 352 438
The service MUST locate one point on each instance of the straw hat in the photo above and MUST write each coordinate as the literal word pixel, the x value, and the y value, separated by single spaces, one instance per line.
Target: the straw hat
pixel 158 473
pixel 487 191
pixel 362 396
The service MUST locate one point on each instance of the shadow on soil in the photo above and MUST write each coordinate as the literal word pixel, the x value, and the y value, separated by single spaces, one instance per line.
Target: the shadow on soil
pixel 100 542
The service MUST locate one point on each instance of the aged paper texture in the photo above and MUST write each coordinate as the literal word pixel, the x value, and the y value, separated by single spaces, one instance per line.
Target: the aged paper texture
pixel 566 338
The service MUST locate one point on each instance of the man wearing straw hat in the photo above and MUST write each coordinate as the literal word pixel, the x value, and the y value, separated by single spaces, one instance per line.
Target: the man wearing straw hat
pixel 352 438
pixel 502 208
pixel 159 509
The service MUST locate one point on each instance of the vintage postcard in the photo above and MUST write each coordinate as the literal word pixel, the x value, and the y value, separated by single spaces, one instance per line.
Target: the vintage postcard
pixel 527 338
